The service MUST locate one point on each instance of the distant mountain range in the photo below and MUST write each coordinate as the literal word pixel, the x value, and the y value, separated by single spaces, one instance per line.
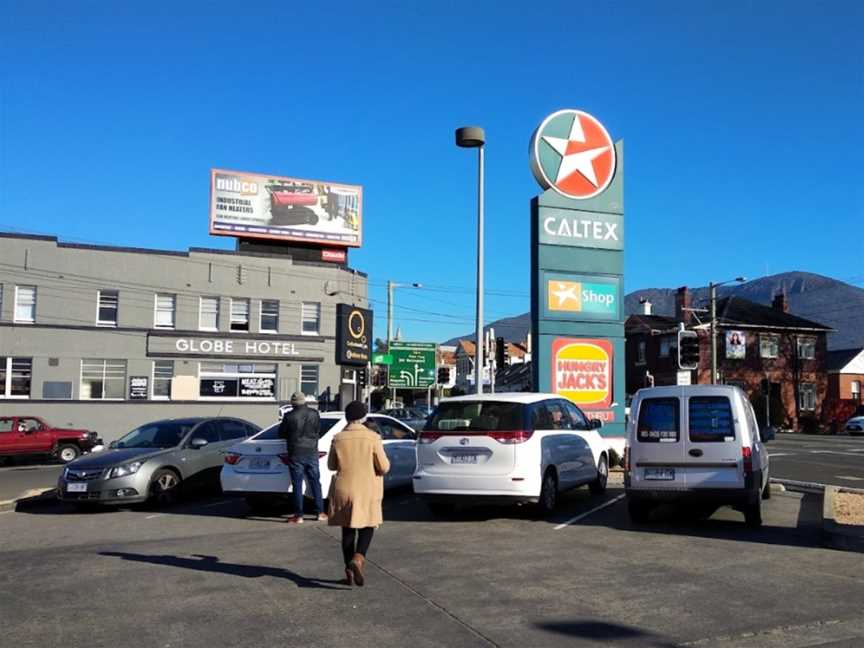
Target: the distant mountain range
pixel 812 296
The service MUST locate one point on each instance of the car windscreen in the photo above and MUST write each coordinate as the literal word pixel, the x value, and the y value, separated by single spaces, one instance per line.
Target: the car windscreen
pixel 272 433
pixel 165 434
pixel 658 421
pixel 711 419
pixel 476 416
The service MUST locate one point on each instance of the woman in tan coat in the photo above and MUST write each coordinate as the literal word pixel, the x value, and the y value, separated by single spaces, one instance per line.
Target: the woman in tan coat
pixel 357 455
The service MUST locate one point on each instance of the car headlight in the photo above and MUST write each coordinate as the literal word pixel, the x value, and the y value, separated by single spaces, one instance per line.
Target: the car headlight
pixel 125 470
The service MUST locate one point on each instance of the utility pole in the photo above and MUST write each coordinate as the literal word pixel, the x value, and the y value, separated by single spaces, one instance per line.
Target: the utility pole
pixel 712 287
pixel 390 286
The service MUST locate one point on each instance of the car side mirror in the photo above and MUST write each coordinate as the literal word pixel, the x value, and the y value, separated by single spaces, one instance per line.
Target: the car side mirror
pixel 595 424
pixel 112 445
pixel 197 443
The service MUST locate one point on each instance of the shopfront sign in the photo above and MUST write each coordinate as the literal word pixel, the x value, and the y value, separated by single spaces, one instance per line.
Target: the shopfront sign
pixel 214 347
pixel 139 387
pixel 353 335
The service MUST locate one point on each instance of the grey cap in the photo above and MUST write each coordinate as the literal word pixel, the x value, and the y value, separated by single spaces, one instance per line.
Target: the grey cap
pixel 298 398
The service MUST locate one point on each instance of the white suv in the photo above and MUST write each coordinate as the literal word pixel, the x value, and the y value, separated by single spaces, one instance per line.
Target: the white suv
pixel 698 442
pixel 508 448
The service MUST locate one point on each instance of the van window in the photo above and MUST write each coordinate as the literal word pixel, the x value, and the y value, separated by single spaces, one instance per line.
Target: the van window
pixel 659 420
pixel 711 419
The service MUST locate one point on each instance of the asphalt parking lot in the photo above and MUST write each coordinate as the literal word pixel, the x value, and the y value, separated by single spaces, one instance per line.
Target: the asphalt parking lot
pixel 203 573
pixel 837 460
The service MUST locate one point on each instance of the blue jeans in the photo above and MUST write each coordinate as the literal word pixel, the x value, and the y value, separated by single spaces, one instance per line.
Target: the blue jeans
pixel 306 468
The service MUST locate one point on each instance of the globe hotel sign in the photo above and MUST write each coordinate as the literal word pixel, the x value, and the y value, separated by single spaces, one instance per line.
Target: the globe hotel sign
pixel 577 265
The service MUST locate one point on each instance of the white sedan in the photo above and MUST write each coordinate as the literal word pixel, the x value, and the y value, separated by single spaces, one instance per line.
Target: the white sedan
pixel 257 468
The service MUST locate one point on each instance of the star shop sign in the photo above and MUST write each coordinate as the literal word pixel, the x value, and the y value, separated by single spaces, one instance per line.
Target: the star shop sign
pixel 572 153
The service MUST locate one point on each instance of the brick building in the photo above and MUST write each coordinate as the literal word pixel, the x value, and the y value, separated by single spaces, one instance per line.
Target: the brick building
pixel 845 379
pixel 778 358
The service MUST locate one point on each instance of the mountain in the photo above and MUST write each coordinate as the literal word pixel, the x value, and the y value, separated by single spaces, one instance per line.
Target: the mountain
pixel 812 296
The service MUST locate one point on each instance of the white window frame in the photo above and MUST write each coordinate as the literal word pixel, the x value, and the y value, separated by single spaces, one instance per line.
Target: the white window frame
pixel 104 361
pixel 153 395
pixel 238 398
pixel 156 324
pixel 105 323
pixel 808 341
pixel 231 319
pixel 261 328
pixel 303 306
pixel 801 394
pixel 6 387
pixel 201 299
pixel 32 319
pixel 765 337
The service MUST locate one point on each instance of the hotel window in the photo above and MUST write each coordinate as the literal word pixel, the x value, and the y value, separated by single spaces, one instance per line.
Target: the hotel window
pixel 106 312
pixel 269 316
pixel 208 314
pixel 239 315
pixel 311 318
pixel 806 348
pixel 15 377
pixel 25 304
pixel 249 381
pixel 309 380
pixel 103 379
pixel 163 373
pixel 769 346
pixel 807 397
pixel 640 355
pixel 165 311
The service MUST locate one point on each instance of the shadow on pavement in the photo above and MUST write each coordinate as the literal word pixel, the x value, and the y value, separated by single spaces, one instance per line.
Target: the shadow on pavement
pixel 212 564
pixel 605 632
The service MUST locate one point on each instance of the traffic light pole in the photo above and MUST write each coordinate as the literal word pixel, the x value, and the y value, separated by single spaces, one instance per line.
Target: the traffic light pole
pixel 713 291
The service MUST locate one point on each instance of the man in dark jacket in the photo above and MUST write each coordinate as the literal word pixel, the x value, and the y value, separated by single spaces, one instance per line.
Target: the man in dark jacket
pixel 301 428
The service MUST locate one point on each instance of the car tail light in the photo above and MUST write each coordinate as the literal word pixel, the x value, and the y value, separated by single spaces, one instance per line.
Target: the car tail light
pixel 321 455
pixel 429 437
pixel 511 437
pixel 285 457
pixel 747 456
pixel 231 458
pixel 626 459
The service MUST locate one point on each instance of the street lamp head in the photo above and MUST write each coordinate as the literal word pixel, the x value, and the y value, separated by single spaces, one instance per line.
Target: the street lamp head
pixel 740 279
pixel 470 137
pixel 416 285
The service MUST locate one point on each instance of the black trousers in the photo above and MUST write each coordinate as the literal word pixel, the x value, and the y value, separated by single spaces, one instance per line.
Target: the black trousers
pixel 355 541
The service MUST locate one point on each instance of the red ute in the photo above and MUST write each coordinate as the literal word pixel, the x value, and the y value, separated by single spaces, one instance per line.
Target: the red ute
pixel 31 435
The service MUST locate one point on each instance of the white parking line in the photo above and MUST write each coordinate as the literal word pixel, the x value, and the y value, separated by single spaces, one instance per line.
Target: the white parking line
pixel 848 478
pixel 780 454
pixel 5 512
pixel 582 516
pixel 150 517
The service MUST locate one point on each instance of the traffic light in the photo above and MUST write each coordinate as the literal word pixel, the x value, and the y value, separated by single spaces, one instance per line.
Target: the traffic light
pixel 443 375
pixel 688 349
pixel 499 352
pixel 361 378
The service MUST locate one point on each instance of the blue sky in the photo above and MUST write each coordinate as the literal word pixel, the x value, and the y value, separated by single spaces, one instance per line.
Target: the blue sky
pixel 742 123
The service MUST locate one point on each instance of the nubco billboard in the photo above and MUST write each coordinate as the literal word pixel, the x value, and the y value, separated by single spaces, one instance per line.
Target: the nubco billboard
pixel 577 265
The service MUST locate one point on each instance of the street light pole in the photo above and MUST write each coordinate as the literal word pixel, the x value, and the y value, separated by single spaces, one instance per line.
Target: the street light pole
pixel 391 286
pixel 474 137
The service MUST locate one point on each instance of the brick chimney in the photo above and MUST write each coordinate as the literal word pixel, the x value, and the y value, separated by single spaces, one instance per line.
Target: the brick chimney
pixel 780 302
pixel 682 301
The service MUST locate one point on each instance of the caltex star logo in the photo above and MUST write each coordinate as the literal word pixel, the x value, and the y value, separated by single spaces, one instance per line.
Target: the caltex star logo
pixel 572 153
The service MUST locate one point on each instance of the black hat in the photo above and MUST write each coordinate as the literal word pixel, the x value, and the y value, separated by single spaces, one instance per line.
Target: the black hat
pixel 355 411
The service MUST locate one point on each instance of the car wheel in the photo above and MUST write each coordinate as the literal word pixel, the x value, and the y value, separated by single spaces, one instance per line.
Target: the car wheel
pixel 598 486
pixel 640 512
pixel 164 487
pixel 68 452
pixel 753 513
pixel 261 504
pixel 441 509
pixel 548 493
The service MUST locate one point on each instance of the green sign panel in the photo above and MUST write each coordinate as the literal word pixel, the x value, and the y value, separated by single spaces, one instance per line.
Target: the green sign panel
pixel 382 359
pixel 413 365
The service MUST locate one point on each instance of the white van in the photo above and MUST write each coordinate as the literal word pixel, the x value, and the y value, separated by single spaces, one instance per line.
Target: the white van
pixel 508 448
pixel 695 442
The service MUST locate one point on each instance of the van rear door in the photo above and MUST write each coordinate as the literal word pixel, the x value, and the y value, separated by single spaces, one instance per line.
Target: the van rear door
pixel 713 443
pixel 657 451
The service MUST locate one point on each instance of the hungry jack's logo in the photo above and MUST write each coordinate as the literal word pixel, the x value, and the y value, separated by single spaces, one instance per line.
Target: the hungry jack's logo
pixel 582 371
pixel 572 153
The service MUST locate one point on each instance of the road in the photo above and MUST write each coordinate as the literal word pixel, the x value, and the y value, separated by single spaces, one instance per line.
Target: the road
pixel 837 460
pixel 15 481
pixel 203 574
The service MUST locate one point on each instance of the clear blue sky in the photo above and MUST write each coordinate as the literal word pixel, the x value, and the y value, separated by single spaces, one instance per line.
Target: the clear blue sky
pixel 742 123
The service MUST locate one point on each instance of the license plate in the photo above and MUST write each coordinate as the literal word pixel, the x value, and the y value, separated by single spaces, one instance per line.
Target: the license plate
pixel 660 474
pixel 76 488
pixel 464 459
pixel 259 463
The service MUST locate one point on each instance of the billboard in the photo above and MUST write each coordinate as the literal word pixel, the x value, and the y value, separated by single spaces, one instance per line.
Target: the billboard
pixel 736 345
pixel 251 205
pixel 582 372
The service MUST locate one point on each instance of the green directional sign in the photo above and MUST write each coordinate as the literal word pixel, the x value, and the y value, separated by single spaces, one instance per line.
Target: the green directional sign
pixel 382 359
pixel 413 365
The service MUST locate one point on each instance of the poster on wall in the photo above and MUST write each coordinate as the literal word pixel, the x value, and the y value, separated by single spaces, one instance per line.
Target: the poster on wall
pixel 582 373
pixel 736 345
pixel 250 205
pixel 139 387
